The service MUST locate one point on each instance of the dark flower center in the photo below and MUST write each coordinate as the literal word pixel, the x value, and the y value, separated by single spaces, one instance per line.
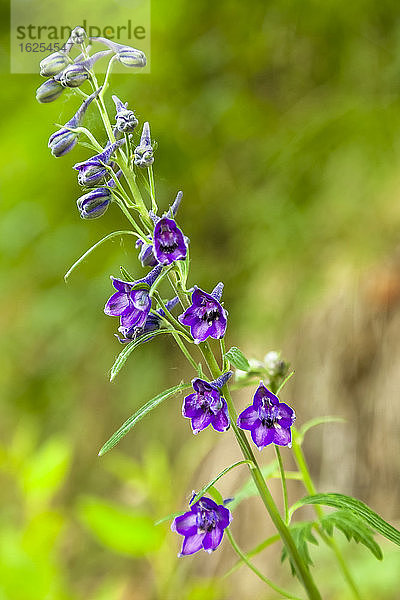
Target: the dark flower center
pixel 206 520
pixel 168 246
pixel 210 316
pixel 268 422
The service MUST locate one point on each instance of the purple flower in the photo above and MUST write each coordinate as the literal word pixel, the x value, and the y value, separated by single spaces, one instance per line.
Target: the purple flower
pixel 153 323
pixel 125 118
pixel 63 140
pixel 207 406
pixel 205 317
pixel 132 301
pixel 169 242
pixel 92 171
pixel 202 526
pixel 268 420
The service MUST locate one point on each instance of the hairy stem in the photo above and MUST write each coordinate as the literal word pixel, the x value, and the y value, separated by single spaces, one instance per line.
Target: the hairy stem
pixel 284 486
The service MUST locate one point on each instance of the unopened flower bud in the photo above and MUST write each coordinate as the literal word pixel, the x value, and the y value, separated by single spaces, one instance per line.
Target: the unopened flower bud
pixel 49 90
pixel 62 142
pixel 146 254
pixel 54 64
pixel 143 154
pixel 74 76
pixel 125 118
pixel 126 55
pixel 274 364
pixel 78 73
pixel 94 204
pixel 78 35
pixel 131 57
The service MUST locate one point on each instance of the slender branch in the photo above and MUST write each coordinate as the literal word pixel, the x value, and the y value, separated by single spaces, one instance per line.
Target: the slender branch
pixel 244 558
pixel 284 486
pixel 94 247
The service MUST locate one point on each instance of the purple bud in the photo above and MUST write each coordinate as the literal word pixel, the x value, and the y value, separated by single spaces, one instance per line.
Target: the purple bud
pixel 49 91
pixel 91 171
pixel 63 140
pixel 146 254
pixel 143 153
pixel 54 64
pixel 78 35
pixel 125 118
pixel 94 204
pixel 126 55
pixel 76 74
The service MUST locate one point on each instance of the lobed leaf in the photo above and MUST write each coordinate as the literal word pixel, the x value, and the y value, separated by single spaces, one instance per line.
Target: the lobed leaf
pixel 353 528
pixel 138 416
pixel 237 359
pixel 356 507
pixel 302 536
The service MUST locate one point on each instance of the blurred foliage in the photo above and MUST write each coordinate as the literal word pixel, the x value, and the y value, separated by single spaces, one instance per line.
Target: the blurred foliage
pixel 281 123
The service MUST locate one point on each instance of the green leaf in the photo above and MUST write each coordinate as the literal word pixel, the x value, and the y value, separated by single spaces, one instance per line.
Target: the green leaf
pixel 138 416
pixel 129 348
pixel 205 489
pixel 302 535
pixel 356 507
pixel 353 528
pixel 237 359
pixel 125 531
pixel 167 518
pixel 317 421
pixel 99 243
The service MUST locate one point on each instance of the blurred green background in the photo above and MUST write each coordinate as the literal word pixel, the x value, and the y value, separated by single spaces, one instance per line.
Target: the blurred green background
pixel 280 121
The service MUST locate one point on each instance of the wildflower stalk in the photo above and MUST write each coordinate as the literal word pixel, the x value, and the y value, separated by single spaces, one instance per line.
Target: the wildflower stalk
pixel 301 569
pixel 310 487
pixel 284 486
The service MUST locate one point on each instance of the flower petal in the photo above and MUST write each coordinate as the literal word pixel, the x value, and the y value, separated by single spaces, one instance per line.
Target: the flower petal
pixel 122 286
pixel 262 436
pixel 192 544
pixel 201 422
pixel 134 318
pixel 261 393
pixel 200 331
pixel 248 418
pixel 212 539
pixel 221 421
pixel 185 524
pixel 224 517
pixel 116 305
pixel 282 437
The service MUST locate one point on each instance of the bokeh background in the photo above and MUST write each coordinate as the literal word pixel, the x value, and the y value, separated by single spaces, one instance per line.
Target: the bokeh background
pixel 281 123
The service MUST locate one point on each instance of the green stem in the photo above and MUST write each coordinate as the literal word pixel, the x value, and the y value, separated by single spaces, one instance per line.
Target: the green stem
pixel 152 189
pixel 310 487
pixel 256 550
pixel 301 569
pixel 284 486
pixel 244 558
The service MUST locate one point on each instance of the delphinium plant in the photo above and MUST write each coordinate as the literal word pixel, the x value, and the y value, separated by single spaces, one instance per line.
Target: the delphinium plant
pixel 196 318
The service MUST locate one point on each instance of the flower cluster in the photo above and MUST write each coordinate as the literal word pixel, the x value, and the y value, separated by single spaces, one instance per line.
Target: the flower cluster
pixel 111 175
